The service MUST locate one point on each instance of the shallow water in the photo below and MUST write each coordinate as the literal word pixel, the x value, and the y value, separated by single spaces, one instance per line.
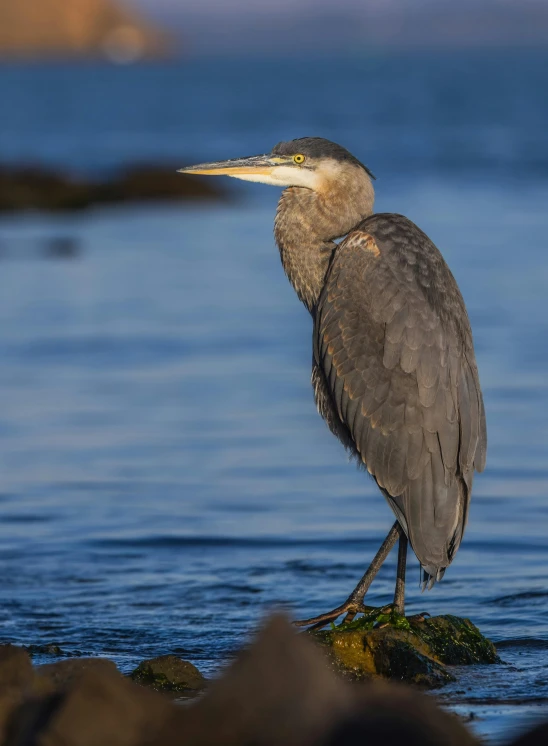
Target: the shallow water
pixel 165 478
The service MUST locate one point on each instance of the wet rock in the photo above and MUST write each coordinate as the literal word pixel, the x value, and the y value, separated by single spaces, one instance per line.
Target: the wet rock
pixel 50 648
pixel 60 675
pixel 169 673
pixel 26 721
pixel 386 653
pixel 536 737
pixel 36 188
pixel 408 650
pixel 455 641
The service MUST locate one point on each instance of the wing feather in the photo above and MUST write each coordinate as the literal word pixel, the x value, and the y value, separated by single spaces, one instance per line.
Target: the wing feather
pixel 393 341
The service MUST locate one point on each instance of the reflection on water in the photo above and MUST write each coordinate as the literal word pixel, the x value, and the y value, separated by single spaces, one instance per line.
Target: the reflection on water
pixel 165 478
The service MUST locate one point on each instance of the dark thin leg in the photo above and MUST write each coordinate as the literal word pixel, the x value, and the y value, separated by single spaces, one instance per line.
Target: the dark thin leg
pixel 399 594
pixel 354 603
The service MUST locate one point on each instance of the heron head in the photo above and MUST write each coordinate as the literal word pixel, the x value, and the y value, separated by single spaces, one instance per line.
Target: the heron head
pixel 309 162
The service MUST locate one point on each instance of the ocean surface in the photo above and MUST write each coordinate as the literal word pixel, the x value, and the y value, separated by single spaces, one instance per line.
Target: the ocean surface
pixel 165 480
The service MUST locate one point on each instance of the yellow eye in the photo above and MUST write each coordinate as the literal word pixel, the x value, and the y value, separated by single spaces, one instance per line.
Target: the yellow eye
pixel 299 158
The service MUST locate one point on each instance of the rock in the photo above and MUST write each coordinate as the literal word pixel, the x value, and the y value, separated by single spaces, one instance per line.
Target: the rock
pixel 455 641
pixel 391 714
pixel 409 650
pixel 96 708
pixel 35 188
pixel 16 681
pixel 50 648
pixel 169 673
pixel 15 668
pixel 149 182
pixel 62 674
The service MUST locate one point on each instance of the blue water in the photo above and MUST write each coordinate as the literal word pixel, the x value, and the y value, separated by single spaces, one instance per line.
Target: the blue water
pixel 165 479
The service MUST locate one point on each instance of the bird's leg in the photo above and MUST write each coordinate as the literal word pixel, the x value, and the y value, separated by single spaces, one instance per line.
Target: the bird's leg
pixel 354 603
pixel 399 593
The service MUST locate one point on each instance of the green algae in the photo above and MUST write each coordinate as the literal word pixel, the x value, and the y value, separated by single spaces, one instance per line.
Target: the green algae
pixel 455 641
pixel 375 618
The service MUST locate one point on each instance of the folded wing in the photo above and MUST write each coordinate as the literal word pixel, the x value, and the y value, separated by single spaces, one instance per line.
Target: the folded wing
pixel 394 345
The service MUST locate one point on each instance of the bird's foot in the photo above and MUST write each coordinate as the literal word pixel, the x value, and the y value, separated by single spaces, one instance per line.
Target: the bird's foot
pixel 373 617
pixel 350 608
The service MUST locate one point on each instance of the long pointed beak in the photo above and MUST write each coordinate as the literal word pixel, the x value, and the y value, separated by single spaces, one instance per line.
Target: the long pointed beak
pixel 262 165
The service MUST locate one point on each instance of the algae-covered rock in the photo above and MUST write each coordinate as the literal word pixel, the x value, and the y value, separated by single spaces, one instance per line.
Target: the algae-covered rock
pixel 413 650
pixel 455 641
pixel 169 673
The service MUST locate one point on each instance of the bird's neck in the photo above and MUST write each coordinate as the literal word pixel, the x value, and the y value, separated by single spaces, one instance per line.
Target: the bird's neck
pixel 307 222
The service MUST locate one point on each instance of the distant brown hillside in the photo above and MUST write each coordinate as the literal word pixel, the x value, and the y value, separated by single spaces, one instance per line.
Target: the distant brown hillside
pixel 61 28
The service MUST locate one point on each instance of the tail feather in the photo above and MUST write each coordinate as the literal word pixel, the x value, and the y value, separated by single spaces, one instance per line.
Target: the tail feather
pixel 433 515
pixel 428 581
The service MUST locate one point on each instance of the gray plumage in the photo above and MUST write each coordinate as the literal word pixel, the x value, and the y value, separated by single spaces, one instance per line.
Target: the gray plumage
pixel 394 370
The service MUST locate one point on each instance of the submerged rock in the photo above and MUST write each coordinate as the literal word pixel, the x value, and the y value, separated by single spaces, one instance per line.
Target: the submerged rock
pixel 50 648
pixel 169 673
pixel 62 247
pixel 414 650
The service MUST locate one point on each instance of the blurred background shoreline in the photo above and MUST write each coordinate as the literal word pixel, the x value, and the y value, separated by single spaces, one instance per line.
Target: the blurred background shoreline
pixel 125 31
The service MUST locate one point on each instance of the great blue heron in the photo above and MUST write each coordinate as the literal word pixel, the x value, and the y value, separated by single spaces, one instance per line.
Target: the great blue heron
pixel 393 368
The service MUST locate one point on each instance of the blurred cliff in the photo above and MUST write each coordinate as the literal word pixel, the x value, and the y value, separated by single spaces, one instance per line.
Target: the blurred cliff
pixel 88 28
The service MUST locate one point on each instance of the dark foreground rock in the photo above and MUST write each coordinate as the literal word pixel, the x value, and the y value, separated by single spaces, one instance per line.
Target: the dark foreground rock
pixel 168 673
pixel 414 651
pixel 16 670
pixel 33 188
pixel 278 692
pixel 61 674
